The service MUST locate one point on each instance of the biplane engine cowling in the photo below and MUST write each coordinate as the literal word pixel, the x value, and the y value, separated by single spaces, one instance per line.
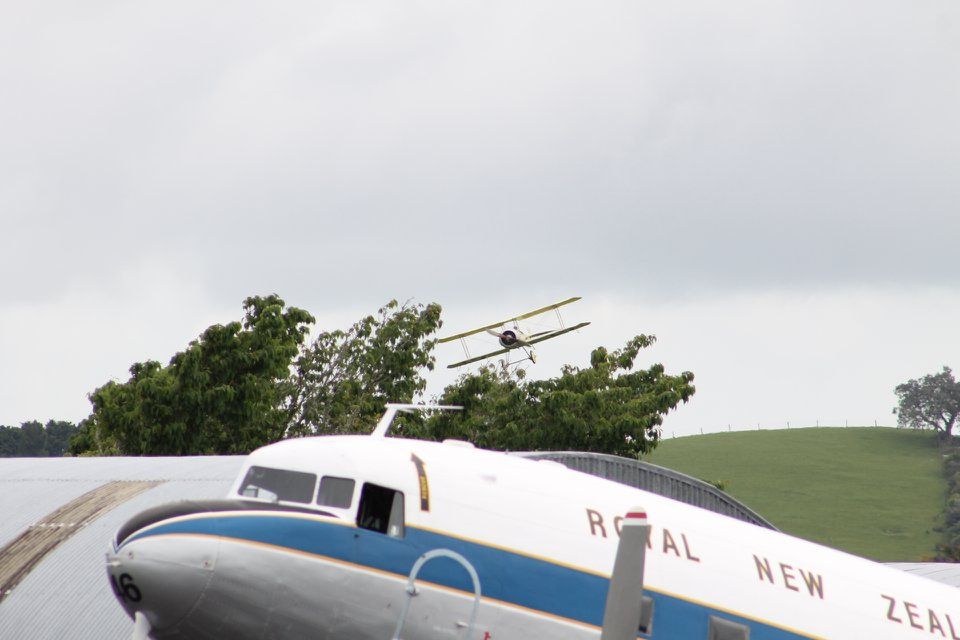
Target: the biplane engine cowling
pixel 508 338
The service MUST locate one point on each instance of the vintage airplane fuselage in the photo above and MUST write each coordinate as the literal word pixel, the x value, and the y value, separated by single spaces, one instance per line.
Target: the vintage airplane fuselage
pixel 359 537
pixel 512 338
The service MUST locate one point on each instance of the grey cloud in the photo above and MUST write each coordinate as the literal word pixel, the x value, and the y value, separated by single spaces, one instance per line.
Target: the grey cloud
pixel 374 151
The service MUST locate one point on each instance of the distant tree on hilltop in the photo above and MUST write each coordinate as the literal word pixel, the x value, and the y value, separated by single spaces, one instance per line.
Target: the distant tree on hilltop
pixel 930 402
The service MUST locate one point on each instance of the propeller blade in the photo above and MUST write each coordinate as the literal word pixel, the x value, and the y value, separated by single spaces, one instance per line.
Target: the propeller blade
pixel 141 627
pixel 495 333
pixel 621 616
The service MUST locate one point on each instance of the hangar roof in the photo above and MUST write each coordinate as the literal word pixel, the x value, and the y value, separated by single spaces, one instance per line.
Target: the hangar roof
pixel 655 479
pixel 44 500
pixel 946 572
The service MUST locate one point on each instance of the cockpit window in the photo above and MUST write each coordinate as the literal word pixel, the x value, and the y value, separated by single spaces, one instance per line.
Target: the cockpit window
pixel 381 509
pixel 278 484
pixel 335 492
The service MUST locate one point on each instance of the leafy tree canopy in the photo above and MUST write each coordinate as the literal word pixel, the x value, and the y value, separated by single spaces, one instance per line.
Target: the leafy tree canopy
pixel 243 385
pixel 930 402
pixel 607 407
pixel 223 394
pixel 344 378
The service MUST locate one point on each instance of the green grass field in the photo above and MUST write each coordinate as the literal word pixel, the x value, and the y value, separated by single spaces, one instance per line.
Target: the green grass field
pixel 875 492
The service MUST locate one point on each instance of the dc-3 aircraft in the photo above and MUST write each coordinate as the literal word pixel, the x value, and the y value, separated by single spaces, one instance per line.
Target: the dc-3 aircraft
pixel 510 336
pixel 378 538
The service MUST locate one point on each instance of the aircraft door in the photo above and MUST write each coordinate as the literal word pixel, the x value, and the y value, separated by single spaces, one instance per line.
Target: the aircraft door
pixel 441 596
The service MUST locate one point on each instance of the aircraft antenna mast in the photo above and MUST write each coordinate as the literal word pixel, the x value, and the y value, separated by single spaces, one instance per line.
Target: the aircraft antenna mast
pixel 393 408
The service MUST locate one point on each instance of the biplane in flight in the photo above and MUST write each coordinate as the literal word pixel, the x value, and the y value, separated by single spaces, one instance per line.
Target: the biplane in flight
pixel 511 337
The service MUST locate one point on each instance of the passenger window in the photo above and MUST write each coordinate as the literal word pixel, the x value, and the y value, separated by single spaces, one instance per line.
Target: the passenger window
pixel 335 492
pixel 278 484
pixel 723 629
pixel 646 615
pixel 381 510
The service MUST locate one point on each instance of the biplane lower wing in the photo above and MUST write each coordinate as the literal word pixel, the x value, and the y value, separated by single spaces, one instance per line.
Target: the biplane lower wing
pixel 559 332
pixel 476 359
pixel 540 338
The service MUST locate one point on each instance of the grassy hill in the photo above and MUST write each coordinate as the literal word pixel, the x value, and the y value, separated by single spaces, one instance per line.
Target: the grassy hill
pixel 875 492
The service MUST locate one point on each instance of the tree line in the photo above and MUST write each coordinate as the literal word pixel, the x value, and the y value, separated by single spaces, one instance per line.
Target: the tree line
pixel 248 383
pixel 34 440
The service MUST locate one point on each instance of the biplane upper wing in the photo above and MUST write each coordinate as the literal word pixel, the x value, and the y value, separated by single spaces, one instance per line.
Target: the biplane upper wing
pixel 472 331
pixel 559 332
pixel 522 316
pixel 476 359
pixel 550 307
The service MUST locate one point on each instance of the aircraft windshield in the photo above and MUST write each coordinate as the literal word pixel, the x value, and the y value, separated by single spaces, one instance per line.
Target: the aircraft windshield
pixel 279 484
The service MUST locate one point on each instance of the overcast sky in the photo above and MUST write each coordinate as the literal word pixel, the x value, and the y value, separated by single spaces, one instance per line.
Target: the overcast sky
pixel 770 187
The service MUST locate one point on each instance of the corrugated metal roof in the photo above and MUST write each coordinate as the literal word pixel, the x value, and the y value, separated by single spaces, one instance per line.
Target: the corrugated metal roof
pixel 120 468
pixel 26 551
pixel 945 572
pixel 67 594
pixel 655 479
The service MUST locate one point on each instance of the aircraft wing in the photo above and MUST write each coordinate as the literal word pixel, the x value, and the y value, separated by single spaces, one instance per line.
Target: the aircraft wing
pixel 472 331
pixel 559 332
pixel 550 307
pixel 476 359
pixel 522 316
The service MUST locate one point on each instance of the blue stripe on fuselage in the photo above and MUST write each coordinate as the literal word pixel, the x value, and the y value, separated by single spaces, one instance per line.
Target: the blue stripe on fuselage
pixel 506 576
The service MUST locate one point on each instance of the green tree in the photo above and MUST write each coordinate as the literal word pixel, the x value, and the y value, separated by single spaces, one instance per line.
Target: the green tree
pixel 225 393
pixel 607 407
pixel 930 402
pixel 9 442
pixel 33 440
pixel 344 378
pixel 58 434
pixel 949 549
pixel 83 441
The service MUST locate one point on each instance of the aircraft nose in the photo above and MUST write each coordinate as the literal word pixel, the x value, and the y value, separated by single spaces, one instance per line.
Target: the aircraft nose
pixel 161 577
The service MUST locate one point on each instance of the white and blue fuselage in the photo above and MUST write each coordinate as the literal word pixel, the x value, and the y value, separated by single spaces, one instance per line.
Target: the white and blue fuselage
pixel 359 537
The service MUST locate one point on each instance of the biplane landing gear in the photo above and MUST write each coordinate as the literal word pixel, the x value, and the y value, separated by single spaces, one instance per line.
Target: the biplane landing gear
pixel 533 356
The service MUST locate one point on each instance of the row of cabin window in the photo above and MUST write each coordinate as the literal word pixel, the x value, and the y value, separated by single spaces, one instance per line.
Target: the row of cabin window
pixel 381 509
pixel 718 629
pixel 297 486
